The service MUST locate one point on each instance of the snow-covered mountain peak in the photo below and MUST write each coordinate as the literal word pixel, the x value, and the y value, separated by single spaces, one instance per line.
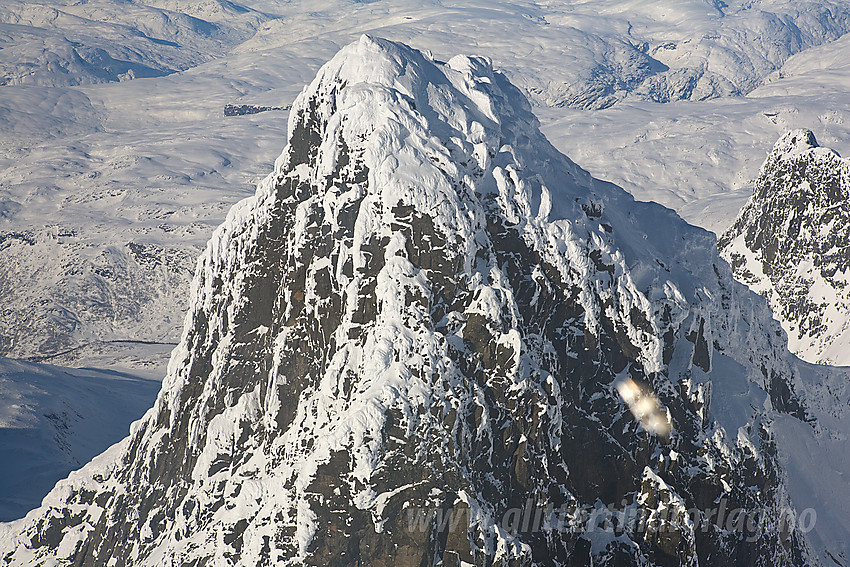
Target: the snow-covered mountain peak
pixel 372 61
pixel 427 307
pixel 791 243
pixel 798 144
pixel 464 95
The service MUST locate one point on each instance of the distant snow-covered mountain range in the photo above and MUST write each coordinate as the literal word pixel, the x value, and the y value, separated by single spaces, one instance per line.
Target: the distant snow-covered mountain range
pixel 108 190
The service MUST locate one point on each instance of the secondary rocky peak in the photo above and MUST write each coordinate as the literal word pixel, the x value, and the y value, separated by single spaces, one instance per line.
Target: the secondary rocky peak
pixel 794 142
pixel 791 243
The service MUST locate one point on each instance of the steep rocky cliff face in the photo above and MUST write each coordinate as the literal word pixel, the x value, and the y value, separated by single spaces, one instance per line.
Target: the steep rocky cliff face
pixel 426 307
pixel 791 244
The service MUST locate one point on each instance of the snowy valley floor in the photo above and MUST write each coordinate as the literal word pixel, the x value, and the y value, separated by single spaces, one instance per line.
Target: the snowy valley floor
pixel 54 420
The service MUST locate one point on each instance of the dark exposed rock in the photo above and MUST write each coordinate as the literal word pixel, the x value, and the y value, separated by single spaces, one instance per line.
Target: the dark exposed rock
pixel 244 109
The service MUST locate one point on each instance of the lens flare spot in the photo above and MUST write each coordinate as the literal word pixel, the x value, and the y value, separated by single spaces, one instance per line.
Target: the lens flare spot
pixel 646 408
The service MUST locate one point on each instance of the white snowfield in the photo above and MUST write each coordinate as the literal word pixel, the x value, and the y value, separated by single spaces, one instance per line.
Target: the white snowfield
pixel 116 161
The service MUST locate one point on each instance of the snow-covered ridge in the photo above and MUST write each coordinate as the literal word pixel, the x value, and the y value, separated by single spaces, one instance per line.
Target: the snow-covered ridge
pixel 791 243
pixel 427 305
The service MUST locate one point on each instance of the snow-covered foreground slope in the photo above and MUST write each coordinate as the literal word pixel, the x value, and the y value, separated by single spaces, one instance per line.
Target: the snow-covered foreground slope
pixel 817 468
pixel 54 420
pixel 426 306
